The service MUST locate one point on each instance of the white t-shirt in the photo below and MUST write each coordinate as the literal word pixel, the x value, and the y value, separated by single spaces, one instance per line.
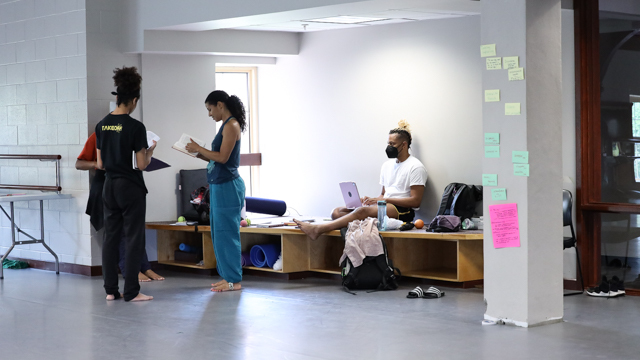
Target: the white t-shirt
pixel 397 178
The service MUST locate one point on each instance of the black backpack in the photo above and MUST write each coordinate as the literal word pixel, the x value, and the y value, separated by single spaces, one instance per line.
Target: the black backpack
pixel 375 273
pixel 460 200
pixel 200 202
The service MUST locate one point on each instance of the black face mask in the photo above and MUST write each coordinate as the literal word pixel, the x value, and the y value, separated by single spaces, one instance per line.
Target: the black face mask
pixel 392 152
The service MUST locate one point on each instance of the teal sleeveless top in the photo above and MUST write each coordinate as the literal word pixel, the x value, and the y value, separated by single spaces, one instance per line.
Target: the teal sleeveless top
pixel 218 173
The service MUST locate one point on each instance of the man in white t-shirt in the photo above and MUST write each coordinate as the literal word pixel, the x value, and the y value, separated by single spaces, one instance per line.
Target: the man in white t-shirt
pixel 402 177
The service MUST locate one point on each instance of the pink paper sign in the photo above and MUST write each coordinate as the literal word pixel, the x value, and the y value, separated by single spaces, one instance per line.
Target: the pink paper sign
pixel 504 225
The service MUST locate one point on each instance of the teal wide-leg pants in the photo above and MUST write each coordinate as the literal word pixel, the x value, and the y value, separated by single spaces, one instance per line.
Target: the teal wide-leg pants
pixel 226 202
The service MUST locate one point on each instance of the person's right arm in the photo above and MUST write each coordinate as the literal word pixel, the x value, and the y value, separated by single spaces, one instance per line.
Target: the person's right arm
pixel 86 165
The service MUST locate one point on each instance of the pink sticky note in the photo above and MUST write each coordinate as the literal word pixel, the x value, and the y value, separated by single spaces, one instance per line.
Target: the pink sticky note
pixel 504 225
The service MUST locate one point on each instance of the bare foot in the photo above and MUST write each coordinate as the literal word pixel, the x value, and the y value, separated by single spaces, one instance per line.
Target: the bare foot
pixel 142 297
pixel 113 297
pixel 153 276
pixel 312 231
pixel 143 278
pixel 224 286
pixel 219 283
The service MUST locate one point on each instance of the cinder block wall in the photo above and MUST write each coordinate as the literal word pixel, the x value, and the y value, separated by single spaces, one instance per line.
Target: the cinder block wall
pixel 43 110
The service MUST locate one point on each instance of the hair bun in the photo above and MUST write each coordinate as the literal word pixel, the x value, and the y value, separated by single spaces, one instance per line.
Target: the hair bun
pixel 404 125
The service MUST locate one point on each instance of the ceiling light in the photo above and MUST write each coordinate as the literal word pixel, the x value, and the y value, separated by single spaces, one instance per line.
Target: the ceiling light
pixel 346 19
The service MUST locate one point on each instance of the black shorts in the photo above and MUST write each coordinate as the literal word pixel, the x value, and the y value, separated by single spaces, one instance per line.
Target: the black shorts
pixel 405 214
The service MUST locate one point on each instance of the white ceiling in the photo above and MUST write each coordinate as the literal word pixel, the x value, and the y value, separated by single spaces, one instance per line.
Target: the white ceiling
pixel 395 11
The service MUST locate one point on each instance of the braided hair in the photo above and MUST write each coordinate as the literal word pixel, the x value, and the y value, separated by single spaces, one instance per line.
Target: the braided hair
pixel 233 103
pixel 403 130
pixel 127 82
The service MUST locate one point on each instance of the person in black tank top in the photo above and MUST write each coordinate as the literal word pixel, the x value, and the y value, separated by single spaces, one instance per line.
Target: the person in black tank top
pixel 226 187
pixel 118 136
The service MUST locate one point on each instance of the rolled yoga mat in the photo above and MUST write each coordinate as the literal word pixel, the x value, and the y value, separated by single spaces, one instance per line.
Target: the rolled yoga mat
pixel 266 206
pixel 187 248
pixel 246 259
pixel 265 255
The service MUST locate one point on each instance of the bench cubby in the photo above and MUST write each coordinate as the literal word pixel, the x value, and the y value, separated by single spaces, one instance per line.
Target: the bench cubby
pixel 454 257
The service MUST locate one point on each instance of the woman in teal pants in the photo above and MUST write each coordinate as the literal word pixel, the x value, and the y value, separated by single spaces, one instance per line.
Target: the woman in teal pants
pixel 226 187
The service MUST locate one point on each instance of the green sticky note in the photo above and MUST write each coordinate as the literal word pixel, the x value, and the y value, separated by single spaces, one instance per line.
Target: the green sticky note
pixel 492 138
pixel 516 74
pixel 492 151
pixel 510 62
pixel 520 157
pixel 512 108
pixel 521 169
pixel 489 179
pixel 491 95
pixel 499 194
pixel 488 50
pixel 494 63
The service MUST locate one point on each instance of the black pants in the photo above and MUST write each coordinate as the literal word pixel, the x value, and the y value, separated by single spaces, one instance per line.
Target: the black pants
pixel 144 263
pixel 124 211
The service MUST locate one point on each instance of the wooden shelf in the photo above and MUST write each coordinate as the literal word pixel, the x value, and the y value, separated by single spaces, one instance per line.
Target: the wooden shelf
pixel 455 257
pixel 436 274
pixel 183 264
pixel 337 271
pixel 261 269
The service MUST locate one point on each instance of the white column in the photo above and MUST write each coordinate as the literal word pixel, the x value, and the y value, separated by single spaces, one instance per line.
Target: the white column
pixel 523 285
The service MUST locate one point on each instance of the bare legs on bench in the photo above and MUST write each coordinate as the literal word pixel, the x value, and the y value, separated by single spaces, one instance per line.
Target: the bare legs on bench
pixel 342 217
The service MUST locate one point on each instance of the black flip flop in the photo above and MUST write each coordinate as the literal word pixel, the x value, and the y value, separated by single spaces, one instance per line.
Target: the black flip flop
pixel 433 293
pixel 416 293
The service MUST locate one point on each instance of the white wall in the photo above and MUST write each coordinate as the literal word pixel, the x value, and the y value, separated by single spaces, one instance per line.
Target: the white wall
pixel 43 110
pixel 173 92
pixel 104 53
pixel 325 114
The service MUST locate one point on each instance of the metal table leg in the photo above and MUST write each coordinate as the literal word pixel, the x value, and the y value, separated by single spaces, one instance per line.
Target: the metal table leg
pixel 13 240
pixel 42 238
pixel 26 242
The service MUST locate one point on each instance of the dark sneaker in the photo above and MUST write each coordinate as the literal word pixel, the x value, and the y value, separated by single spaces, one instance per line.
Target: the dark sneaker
pixel 616 287
pixel 602 290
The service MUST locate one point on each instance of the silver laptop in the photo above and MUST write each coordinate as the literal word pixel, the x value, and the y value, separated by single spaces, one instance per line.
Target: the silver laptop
pixel 350 195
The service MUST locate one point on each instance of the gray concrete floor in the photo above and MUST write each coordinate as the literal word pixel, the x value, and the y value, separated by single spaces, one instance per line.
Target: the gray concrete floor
pixel 44 316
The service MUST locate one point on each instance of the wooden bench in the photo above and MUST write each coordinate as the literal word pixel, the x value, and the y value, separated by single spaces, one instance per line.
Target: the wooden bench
pixel 453 257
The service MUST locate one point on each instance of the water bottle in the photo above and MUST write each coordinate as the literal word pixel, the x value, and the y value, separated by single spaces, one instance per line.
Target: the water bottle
pixel 382 213
pixel 468 224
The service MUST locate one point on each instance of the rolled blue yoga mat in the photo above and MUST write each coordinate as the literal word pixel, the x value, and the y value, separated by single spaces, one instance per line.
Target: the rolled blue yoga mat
pixel 265 255
pixel 266 206
pixel 187 248
pixel 246 259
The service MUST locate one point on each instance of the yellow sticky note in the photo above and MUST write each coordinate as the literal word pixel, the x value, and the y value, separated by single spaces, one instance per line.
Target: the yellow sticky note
pixel 512 109
pixel 516 74
pixel 510 62
pixel 488 50
pixel 491 95
pixel 494 63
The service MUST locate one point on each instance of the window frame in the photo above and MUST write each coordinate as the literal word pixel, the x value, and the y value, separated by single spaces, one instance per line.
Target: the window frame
pixel 254 146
